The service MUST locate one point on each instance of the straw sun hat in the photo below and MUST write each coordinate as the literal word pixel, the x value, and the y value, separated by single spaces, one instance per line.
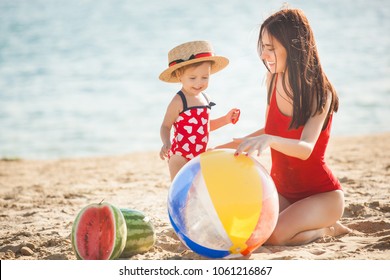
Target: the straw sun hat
pixel 189 53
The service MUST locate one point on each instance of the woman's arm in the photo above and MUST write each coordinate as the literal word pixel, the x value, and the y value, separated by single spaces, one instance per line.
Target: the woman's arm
pixel 236 141
pixel 301 148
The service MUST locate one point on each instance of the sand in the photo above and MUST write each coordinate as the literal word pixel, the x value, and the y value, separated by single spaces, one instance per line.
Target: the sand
pixel 39 200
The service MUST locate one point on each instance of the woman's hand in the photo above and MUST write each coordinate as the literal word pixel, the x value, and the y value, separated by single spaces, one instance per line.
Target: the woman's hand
pixel 252 144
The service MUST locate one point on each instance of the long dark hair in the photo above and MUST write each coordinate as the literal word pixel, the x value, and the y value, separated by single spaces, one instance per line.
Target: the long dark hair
pixel 308 82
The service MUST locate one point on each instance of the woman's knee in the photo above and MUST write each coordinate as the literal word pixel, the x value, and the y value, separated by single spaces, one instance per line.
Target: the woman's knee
pixel 338 203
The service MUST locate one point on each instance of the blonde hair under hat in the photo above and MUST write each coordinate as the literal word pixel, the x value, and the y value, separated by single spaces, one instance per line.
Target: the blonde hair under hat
pixel 190 53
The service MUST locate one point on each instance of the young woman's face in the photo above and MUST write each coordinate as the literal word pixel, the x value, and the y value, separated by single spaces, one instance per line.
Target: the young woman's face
pixel 196 79
pixel 273 53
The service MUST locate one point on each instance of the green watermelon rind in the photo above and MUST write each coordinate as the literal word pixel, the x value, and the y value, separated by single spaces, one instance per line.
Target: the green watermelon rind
pixel 120 241
pixel 120 230
pixel 141 235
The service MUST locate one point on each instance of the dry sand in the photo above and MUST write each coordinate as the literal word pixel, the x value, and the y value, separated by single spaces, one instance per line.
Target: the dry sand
pixel 39 200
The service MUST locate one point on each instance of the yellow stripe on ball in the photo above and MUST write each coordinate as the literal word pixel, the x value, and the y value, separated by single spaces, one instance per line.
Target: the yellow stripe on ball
pixel 233 182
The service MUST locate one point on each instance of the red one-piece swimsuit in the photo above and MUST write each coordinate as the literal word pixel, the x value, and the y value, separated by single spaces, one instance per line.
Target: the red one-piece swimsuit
pixel 191 130
pixel 294 178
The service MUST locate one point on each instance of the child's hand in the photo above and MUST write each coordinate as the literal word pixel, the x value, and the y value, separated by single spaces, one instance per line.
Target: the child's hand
pixel 164 151
pixel 233 115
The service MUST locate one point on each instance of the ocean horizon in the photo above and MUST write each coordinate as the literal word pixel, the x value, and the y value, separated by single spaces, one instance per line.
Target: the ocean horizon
pixel 80 78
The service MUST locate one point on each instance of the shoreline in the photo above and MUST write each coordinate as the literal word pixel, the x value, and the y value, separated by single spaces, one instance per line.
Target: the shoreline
pixel 147 151
pixel 41 198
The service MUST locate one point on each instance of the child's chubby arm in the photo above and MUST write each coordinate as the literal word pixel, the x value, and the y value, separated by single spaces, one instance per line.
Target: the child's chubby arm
pixel 231 117
pixel 173 110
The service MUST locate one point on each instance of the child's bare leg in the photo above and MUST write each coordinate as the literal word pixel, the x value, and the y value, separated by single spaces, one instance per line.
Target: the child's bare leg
pixel 175 163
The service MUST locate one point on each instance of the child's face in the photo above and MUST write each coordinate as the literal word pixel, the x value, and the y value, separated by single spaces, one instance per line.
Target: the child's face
pixel 196 79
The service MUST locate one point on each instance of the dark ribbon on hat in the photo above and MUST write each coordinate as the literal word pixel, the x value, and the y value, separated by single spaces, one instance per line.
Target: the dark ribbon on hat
pixel 194 56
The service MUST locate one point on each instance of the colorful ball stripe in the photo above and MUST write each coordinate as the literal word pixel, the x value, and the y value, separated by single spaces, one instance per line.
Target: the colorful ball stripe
pixel 223 206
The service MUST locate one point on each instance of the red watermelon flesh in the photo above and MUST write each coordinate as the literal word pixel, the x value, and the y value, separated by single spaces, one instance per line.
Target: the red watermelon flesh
pixel 98 232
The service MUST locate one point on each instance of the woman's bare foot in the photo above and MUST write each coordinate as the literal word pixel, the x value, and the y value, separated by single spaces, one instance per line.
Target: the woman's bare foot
pixel 338 229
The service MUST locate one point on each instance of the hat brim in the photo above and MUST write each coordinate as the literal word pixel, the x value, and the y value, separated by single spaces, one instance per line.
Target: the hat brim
pixel 219 62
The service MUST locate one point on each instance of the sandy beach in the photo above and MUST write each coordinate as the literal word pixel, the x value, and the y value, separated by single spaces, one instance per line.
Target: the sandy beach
pixel 39 200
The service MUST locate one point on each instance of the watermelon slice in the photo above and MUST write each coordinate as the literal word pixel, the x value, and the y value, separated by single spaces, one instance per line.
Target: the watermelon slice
pixel 99 232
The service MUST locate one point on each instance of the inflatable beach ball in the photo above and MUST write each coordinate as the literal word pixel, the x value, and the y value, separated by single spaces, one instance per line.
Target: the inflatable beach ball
pixel 223 206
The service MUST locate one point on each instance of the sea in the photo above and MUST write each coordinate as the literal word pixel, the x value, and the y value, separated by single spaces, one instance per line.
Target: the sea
pixel 79 78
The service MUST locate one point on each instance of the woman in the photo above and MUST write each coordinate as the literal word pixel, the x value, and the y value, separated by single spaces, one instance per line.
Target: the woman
pixel 301 102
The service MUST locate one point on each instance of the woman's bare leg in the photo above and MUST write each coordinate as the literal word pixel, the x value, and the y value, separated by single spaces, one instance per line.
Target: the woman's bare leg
pixel 283 203
pixel 309 219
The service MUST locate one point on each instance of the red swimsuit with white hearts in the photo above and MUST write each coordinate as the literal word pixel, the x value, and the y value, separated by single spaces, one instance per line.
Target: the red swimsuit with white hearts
pixel 191 130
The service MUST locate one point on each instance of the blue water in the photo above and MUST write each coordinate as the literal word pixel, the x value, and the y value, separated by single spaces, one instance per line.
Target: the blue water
pixel 80 77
